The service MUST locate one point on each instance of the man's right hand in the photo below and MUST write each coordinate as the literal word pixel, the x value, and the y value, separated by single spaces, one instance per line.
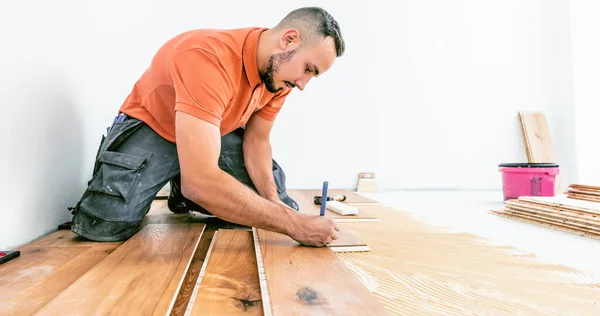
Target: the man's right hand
pixel 316 231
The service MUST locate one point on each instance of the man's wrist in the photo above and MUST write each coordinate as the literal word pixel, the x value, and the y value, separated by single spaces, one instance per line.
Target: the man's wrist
pixel 293 221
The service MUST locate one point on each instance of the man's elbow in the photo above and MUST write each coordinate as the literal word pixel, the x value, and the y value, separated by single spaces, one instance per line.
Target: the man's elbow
pixel 189 189
pixel 252 141
pixel 198 188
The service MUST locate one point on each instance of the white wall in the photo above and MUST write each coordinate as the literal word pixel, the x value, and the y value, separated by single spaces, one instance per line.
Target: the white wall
pixel 585 23
pixel 429 91
pixel 426 94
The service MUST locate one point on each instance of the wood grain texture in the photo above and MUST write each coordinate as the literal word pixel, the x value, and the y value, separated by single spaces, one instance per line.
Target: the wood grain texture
pixel 41 274
pixel 64 238
pixel 191 277
pixel 142 276
pixel 580 217
pixel 584 192
pixel 586 187
pixel 309 281
pixel 584 197
pixel 538 142
pixel 553 225
pixel 524 212
pixel 229 282
pixel 305 200
pixel 559 203
pixel 565 215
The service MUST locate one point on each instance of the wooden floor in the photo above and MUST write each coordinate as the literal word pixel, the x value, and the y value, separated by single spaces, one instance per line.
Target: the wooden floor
pixel 309 281
pixel 229 283
pixel 413 269
pixel 63 269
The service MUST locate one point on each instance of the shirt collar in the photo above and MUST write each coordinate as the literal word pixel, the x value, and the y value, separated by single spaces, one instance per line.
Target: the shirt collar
pixel 249 57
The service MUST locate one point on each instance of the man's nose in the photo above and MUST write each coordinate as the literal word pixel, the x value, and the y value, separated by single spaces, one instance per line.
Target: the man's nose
pixel 301 83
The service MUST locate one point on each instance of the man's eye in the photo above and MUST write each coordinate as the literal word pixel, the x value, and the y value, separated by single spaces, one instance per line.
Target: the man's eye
pixel 307 70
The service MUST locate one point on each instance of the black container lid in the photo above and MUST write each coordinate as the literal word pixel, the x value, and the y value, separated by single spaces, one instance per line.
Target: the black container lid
pixel 528 165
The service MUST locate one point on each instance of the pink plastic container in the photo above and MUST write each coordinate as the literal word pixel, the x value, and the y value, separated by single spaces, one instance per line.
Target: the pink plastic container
pixel 528 179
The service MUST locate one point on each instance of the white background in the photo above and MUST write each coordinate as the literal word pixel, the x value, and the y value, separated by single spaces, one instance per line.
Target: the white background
pixel 426 95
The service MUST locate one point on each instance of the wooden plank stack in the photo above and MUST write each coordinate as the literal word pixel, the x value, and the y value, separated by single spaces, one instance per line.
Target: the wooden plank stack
pixel 584 192
pixel 578 217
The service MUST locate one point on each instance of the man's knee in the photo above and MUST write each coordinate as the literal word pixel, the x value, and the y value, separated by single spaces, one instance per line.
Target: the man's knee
pixel 94 228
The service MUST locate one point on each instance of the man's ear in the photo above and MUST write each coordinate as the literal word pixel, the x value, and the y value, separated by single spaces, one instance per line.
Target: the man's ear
pixel 289 39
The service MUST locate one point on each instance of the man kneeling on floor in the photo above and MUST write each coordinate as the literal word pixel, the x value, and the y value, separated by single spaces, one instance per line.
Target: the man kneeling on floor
pixel 200 117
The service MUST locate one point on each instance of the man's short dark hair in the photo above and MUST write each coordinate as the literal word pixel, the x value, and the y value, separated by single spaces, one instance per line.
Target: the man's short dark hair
pixel 314 23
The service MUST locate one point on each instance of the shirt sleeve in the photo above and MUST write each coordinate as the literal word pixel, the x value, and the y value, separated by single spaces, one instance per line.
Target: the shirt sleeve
pixel 202 87
pixel 269 112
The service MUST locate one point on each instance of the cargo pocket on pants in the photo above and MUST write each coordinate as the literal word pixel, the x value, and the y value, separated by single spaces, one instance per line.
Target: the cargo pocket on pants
pixel 118 173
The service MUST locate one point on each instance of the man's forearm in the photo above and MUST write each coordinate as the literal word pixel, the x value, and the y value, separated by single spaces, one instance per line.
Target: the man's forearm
pixel 259 163
pixel 228 199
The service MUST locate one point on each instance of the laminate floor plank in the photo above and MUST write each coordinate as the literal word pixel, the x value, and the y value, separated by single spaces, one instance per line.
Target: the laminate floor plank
pixel 298 280
pixel 229 283
pixel 142 276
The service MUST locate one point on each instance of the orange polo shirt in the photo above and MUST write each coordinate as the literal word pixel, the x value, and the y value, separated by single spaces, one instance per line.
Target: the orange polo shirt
pixel 210 74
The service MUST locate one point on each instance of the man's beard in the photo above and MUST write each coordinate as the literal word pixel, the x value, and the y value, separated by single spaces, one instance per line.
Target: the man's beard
pixel 273 67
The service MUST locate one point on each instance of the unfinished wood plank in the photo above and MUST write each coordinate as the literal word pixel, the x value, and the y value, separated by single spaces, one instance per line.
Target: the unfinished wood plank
pixel 309 281
pixel 566 204
pixel 538 142
pixel 142 276
pixel 544 223
pixel 583 197
pixel 576 213
pixel 550 219
pixel 542 219
pixel 229 283
pixel 585 192
pixel 558 214
pixel 305 200
pixel 585 186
